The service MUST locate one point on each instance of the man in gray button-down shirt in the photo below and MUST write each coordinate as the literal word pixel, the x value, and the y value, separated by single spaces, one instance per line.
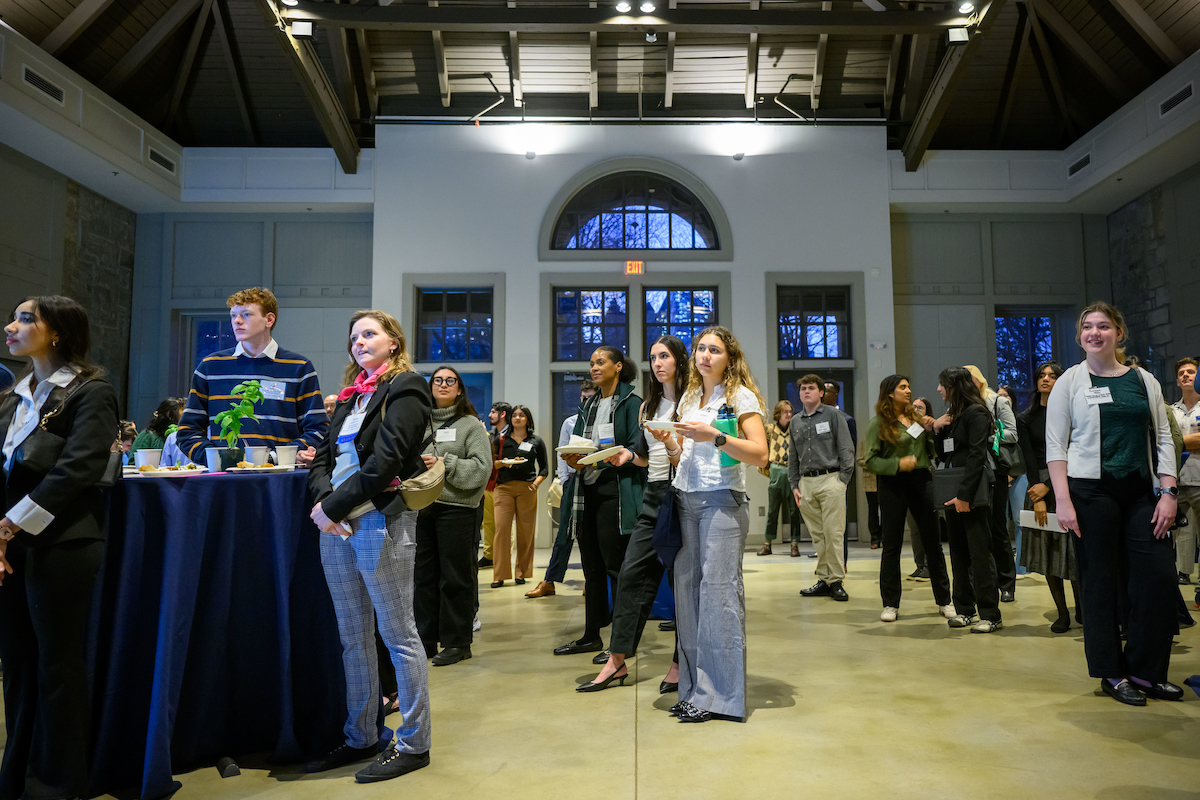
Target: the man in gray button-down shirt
pixel 820 465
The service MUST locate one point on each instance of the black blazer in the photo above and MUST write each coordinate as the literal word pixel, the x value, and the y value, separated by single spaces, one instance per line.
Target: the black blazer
pixel 971 431
pixel 90 424
pixel 389 447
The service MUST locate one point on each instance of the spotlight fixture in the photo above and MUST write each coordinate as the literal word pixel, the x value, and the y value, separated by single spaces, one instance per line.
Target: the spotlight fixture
pixel 290 3
pixel 651 36
pixel 965 8
pixel 738 156
pixel 623 7
pixel 302 28
pixel 647 7
pixel 958 36
pixel 530 155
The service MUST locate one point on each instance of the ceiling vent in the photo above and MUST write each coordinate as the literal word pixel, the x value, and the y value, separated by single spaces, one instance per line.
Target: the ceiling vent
pixel 163 161
pixel 1173 102
pixel 48 87
pixel 1078 165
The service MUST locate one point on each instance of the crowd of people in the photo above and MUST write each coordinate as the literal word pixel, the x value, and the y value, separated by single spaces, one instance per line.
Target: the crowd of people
pixel 406 482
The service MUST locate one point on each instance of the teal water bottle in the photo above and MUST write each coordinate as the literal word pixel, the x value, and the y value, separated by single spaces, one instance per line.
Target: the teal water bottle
pixel 726 423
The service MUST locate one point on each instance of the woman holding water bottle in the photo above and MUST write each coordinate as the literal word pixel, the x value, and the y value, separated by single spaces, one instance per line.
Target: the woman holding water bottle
pixel 722 414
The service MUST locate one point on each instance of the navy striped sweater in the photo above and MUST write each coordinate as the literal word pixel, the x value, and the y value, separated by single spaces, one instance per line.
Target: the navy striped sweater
pixel 299 418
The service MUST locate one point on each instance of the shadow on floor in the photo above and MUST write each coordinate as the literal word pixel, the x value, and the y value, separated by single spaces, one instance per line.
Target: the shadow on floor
pixel 762 693
pixel 1161 727
pixel 1135 792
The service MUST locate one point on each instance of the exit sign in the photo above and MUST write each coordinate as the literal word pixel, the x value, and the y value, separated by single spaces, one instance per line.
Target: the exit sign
pixel 635 267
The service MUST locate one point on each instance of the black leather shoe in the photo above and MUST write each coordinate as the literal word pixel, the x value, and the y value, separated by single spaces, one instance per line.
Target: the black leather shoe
pixel 693 714
pixel 1184 579
pixel 520 581
pixel 601 657
pixel 599 687
pixel 669 625
pixel 391 764
pixel 579 646
pixel 341 756
pixel 497 584
pixel 666 688
pixel 483 563
pixel 818 589
pixel 1161 691
pixel 681 707
pixel 451 655
pixel 837 592
pixel 1124 692
pixel 1008 597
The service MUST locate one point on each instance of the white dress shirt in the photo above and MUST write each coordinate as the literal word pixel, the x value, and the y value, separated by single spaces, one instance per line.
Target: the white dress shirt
pixel 270 351
pixel 700 467
pixel 28 515
pixel 562 469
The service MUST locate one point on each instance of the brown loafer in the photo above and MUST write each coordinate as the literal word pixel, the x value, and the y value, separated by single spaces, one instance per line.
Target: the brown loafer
pixel 795 550
pixel 766 550
pixel 543 589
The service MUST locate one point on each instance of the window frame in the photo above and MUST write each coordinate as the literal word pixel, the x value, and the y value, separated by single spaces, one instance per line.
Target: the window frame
pixel 419 328
pixel 846 352
pixel 554 323
pixel 1057 320
pixel 647 340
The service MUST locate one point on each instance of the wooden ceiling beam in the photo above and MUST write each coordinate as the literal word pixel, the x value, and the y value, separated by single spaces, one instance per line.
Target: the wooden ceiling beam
pixel 818 80
pixel 317 88
pixel 185 66
pixel 950 73
pixel 1050 18
pixel 1148 29
pixel 914 78
pixel 693 19
pixel 594 71
pixel 889 85
pixel 148 45
pixel 221 27
pixel 343 71
pixel 751 69
pixel 1008 90
pixel 367 65
pixel 670 81
pixel 67 31
pixel 514 68
pixel 1049 70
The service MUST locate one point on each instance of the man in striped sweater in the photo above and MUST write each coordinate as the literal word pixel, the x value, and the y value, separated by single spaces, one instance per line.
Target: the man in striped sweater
pixel 291 412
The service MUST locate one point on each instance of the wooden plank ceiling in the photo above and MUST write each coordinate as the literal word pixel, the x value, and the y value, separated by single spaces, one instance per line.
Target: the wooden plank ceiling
pixel 213 72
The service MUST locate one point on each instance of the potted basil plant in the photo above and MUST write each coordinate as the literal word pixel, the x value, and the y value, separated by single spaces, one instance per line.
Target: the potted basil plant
pixel 230 420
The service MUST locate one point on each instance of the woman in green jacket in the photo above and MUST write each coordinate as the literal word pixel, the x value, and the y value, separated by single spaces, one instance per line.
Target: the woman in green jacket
pixel 155 435
pixel 899 451
pixel 603 501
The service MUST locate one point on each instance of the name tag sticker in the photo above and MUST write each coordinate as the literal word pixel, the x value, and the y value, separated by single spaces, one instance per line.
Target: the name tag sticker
pixel 915 430
pixel 822 427
pixel 446 435
pixel 526 447
pixel 273 390
pixel 350 428
pixel 607 435
pixel 1098 395
pixel 948 445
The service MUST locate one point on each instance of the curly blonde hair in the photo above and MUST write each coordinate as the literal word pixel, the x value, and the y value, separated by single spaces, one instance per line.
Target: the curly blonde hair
pixel 737 372
pixel 399 361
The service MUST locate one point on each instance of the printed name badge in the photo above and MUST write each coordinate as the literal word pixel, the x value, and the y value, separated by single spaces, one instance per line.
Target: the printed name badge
pixel 1098 395
pixel 273 390
pixel 948 445
pixel 446 435
pixel 607 436
pixel 822 427
pixel 350 428
pixel 915 430
pixel 526 447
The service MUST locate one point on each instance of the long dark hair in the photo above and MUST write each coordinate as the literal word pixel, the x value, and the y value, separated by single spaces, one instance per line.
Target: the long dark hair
pixel 69 320
pixel 462 404
pixel 528 419
pixel 1035 399
pixel 961 391
pixel 885 408
pixel 166 415
pixel 654 392
pixel 629 367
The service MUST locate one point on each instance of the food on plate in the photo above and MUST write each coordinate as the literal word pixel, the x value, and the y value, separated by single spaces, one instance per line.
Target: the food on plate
pixel 147 468
pixel 245 465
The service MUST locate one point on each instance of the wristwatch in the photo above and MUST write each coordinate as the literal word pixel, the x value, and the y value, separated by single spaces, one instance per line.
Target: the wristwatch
pixel 1171 490
pixel 720 440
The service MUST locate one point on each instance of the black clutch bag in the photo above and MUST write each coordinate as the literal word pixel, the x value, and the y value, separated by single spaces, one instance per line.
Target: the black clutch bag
pixel 946 482
pixel 41 449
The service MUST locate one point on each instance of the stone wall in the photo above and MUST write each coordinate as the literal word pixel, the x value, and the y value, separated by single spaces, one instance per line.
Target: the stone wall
pixel 1138 258
pixel 99 237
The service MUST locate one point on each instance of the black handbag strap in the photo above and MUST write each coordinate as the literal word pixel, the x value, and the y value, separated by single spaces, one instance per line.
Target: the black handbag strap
pixel 430 439
pixel 72 390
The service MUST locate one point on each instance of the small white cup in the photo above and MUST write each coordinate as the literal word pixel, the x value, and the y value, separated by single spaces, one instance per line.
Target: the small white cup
pixel 285 455
pixel 213 456
pixel 147 458
pixel 257 455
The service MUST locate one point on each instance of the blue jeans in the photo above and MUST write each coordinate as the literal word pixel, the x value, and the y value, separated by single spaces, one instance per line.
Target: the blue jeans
pixel 1016 502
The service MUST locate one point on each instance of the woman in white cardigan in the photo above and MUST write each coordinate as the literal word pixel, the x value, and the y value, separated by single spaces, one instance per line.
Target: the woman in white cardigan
pixel 1108 444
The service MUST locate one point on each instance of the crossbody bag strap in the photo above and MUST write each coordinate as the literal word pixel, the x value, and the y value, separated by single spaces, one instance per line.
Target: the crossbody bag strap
pixel 71 392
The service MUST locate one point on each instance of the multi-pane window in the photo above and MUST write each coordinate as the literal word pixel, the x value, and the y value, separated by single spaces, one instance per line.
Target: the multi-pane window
pixel 634 211
pixel 566 399
pixel 1022 342
pixel 587 318
pixel 814 322
pixel 454 325
pixel 679 312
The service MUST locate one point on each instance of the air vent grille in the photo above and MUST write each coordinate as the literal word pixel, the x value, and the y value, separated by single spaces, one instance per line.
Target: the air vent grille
pixel 1078 165
pixel 1172 102
pixel 43 84
pixel 162 161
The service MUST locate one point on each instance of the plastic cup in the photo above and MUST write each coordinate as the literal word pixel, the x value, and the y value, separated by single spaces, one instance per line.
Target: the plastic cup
pixel 257 455
pixel 213 456
pixel 147 458
pixel 285 455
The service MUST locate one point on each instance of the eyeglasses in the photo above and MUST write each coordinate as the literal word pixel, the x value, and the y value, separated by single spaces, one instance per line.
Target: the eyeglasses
pixel 447 381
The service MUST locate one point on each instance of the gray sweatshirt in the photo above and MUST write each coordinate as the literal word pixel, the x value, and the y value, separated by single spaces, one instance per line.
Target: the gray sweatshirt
pixel 468 459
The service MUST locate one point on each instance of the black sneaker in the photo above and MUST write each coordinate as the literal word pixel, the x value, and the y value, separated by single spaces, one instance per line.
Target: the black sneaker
pixel 920 574
pixel 391 764
pixel 340 756
pixel 1184 579
pixel 484 563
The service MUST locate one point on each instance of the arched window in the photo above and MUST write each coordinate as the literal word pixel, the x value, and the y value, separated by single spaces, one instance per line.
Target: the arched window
pixel 634 210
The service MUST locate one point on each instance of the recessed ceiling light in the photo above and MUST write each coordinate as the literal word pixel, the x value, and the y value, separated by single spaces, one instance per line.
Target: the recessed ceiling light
pixel 624 7
pixel 965 8
pixel 292 3
pixel 647 8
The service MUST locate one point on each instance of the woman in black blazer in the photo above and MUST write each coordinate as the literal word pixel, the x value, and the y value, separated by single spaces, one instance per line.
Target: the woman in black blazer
pixel 368 551
pixel 963 437
pixel 58 424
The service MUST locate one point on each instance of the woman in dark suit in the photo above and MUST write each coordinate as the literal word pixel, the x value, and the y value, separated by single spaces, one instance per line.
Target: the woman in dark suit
pixel 369 548
pixel 58 424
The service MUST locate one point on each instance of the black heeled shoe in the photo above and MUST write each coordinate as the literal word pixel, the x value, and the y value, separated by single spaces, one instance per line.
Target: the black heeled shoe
pixel 667 688
pixel 599 687
pixel 694 714
pixel 497 584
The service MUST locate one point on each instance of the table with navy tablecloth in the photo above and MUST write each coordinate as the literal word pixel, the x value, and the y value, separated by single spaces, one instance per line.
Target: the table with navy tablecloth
pixel 214 633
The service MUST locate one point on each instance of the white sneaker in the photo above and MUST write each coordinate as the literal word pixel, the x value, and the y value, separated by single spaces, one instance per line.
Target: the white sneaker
pixel 962 620
pixel 476 624
pixel 889 614
pixel 946 611
pixel 987 626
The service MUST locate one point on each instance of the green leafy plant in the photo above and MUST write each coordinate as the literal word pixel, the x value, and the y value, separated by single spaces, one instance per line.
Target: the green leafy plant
pixel 171 429
pixel 231 419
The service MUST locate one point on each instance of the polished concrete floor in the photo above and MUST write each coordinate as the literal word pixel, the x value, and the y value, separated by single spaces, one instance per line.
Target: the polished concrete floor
pixel 842 706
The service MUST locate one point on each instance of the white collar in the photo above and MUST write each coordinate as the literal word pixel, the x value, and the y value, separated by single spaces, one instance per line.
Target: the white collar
pixel 1179 404
pixel 270 351
pixel 62 377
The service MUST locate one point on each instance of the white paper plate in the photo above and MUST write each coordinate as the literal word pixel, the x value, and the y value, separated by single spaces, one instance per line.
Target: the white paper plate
pixel 169 473
pixel 597 457
pixel 662 425
pixel 512 462
pixel 261 470
pixel 576 450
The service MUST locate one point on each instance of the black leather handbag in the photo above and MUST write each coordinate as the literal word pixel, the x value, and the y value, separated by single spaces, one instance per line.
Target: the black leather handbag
pixel 947 480
pixel 41 449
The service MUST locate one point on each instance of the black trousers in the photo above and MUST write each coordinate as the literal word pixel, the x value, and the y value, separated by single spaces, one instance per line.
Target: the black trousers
pixel 873 524
pixel 641 575
pixel 1002 549
pixel 1118 555
pixel 898 496
pixel 446 578
pixel 975 588
pixel 44 614
pixel 601 550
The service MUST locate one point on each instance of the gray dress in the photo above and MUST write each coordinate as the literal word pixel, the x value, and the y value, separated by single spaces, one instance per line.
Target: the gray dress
pixel 1047 553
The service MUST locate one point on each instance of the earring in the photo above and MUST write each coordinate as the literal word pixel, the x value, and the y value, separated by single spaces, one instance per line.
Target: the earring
pixel 54 343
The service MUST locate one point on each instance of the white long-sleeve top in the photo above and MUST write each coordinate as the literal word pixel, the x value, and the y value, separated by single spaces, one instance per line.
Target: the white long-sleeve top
pixel 1073 426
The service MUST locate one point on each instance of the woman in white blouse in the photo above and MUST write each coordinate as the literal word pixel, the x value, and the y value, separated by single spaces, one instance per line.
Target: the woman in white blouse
pixel 710 604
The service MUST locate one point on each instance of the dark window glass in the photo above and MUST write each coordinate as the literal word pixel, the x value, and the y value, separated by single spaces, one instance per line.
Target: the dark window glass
pixel 566 401
pixel 1022 342
pixel 585 318
pixel 679 312
pixel 212 335
pixel 455 325
pixel 634 211
pixel 813 322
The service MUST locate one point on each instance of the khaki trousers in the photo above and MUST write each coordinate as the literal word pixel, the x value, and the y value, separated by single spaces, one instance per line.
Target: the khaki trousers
pixel 489 523
pixel 823 506
pixel 514 500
